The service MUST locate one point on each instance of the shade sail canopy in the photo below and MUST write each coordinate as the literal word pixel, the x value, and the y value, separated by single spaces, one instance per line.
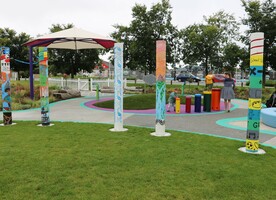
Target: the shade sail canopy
pixel 73 38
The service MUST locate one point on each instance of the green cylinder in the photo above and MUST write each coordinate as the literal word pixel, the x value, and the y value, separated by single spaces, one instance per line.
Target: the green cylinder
pixel 97 92
pixel 207 101
pixel 182 89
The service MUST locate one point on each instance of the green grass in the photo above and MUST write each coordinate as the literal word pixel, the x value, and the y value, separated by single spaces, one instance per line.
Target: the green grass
pixel 137 102
pixel 86 161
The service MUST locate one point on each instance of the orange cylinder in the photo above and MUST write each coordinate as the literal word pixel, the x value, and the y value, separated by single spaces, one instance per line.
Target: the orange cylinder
pixel 215 99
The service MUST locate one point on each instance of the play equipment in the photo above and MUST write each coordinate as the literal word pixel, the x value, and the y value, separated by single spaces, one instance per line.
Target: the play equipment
pixel 255 95
pixel 198 103
pixel 44 86
pixel 215 99
pixel 182 89
pixel 6 85
pixel 97 92
pixel 160 89
pixel 207 101
pixel 177 105
pixel 268 116
pixel 118 88
pixel 188 104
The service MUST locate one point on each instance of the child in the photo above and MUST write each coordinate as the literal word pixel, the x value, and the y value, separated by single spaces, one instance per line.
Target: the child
pixel 209 81
pixel 171 100
pixel 227 92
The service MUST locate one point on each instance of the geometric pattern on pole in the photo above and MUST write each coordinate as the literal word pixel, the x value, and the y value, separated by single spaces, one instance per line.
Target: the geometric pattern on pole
pixel 160 89
pixel 118 88
pixel 6 85
pixel 255 94
pixel 44 87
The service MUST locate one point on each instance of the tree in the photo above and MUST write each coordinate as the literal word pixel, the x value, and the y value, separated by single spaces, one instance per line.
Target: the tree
pixel 205 42
pixel 261 17
pixel 140 36
pixel 71 61
pixel 233 56
pixel 200 44
pixel 19 52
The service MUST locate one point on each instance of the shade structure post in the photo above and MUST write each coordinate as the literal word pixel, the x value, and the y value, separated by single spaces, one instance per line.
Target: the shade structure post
pixel 118 88
pixel 160 89
pixel 31 72
pixel 44 90
pixel 6 85
pixel 255 94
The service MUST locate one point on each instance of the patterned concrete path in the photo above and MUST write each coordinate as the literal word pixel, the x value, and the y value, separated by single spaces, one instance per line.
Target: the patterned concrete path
pixel 220 124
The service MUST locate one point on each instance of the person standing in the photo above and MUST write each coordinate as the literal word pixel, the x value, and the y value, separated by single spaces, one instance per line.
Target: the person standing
pixel 209 81
pixel 227 92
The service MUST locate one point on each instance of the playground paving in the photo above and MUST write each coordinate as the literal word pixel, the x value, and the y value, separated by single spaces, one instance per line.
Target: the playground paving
pixel 219 124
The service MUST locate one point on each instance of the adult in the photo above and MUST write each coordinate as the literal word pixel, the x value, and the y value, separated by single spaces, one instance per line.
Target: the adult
pixel 227 92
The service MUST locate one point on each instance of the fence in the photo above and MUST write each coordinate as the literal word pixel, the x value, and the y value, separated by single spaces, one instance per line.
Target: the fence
pixel 82 84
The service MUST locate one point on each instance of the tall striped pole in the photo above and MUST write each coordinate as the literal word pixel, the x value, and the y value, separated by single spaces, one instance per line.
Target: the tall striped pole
pixel 118 88
pixel 160 89
pixel 44 88
pixel 255 94
pixel 6 85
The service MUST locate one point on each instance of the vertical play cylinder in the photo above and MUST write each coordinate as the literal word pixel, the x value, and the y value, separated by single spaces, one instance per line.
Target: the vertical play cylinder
pixel 188 104
pixel 160 89
pixel 177 105
pixel 198 103
pixel 6 85
pixel 215 99
pixel 255 94
pixel 207 101
pixel 44 87
pixel 97 92
pixel 118 88
pixel 182 89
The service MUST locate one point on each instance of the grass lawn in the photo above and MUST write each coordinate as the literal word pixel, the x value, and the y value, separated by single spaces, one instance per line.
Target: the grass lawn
pixel 86 161
pixel 138 102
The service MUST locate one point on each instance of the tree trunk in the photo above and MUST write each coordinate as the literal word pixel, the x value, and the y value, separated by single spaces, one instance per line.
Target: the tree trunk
pixel 72 71
pixel 206 66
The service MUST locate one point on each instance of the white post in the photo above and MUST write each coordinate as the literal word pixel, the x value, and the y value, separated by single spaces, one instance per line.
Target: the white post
pixel 125 83
pixel 108 82
pixel 62 84
pixel 91 84
pixel 118 88
pixel 78 83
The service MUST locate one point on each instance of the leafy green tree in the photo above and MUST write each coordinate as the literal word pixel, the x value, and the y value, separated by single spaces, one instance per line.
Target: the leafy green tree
pixel 140 36
pixel 71 61
pixel 261 17
pixel 232 57
pixel 200 44
pixel 18 52
pixel 205 42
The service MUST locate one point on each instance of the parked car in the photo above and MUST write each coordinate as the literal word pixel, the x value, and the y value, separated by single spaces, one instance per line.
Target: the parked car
pixel 187 77
pixel 219 78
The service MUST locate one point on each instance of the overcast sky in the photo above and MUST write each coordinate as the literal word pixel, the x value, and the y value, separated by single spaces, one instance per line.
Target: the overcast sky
pixel 35 17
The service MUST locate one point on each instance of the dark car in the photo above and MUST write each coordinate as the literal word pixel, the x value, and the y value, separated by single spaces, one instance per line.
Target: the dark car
pixel 219 78
pixel 187 77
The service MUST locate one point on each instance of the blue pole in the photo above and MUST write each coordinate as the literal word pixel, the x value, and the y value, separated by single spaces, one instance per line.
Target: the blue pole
pixel 31 73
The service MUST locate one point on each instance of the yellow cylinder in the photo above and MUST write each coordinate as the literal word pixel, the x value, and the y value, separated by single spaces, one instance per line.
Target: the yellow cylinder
pixel 177 105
